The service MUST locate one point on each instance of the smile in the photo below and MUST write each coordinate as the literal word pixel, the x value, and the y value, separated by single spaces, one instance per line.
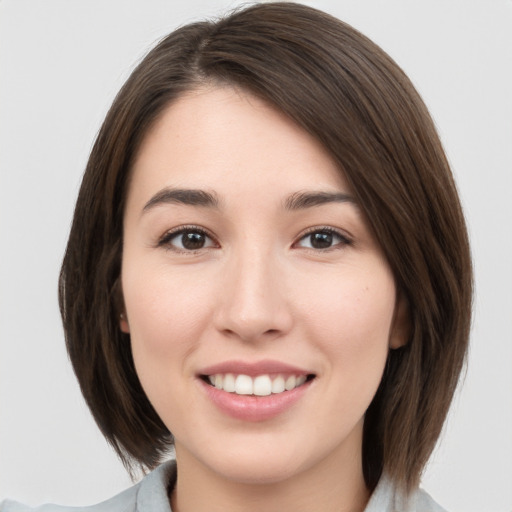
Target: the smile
pixel 260 385
pixel 255 391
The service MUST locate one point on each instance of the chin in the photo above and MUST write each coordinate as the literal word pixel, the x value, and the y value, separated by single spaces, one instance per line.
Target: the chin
pixel 258 472
pixel 264 460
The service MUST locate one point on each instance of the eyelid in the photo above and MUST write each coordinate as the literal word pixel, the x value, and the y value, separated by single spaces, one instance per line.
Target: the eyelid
pixel 346 239
pixel 164 240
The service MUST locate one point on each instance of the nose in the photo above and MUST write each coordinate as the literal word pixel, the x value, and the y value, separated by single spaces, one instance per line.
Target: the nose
pixel 253 303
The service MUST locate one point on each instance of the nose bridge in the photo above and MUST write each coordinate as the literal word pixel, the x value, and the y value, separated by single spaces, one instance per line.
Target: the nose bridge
pixel 254 302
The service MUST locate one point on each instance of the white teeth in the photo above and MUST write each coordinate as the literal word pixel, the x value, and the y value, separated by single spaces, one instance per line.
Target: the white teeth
pixel 289 384
pixel 243 385
pixel 262 385
pixel 229 383
pixel 278 384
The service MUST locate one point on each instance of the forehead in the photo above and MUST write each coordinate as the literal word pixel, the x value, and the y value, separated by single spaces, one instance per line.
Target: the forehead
pixel 219 136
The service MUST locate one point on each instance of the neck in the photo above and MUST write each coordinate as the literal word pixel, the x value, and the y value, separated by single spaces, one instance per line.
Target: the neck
pixel 332 485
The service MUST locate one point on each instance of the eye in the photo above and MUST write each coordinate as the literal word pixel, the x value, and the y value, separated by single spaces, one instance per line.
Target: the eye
pixel 322 239
pixel 187 239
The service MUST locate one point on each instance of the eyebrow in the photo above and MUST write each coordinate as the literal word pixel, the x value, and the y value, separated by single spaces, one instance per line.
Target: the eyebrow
pixel 302 200
pixel 190 197
pixel 194 197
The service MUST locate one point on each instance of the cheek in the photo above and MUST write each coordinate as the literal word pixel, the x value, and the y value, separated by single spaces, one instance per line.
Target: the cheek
pixel 352 318
pixel 166 313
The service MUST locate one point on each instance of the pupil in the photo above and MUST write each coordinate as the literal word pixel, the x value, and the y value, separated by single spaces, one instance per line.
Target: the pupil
pixel 321 240
pixel 192 240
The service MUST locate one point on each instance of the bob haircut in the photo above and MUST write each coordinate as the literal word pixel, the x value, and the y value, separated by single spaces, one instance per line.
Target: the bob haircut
pixel 352 97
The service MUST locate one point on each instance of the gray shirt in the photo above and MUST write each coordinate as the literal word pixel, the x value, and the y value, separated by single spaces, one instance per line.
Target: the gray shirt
pixel 151 495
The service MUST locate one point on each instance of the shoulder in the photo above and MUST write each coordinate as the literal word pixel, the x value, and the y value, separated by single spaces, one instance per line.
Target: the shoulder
pixel 387 498
pixel 425 503
pixel 149 494
pixel 123 502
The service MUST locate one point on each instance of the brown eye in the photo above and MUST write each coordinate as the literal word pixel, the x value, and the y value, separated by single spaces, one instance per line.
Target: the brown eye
pixel 323 239
pixel 187 240
pixel 193 240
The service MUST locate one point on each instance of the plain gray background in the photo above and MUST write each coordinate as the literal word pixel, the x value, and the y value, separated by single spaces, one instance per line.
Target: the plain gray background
pixel 61 63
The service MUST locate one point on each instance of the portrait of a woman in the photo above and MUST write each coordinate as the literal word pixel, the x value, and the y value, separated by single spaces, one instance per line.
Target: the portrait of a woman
pixel 267 288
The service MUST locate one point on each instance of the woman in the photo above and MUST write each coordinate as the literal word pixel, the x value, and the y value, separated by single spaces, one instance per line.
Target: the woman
pixel 268 268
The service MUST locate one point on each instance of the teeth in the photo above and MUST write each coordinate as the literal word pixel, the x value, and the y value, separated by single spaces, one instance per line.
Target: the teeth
pixel 243 385
pixel 278 384
pixel 229 383
pixel 290 383
pixel 262 385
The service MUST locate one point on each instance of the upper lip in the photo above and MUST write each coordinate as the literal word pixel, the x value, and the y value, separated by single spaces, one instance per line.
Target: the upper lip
pixel 254 369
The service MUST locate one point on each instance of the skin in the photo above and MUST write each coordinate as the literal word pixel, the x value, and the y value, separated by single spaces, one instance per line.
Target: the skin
pixel 257 289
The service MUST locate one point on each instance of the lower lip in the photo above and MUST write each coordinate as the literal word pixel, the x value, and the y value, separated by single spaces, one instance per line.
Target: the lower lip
pixel 254 408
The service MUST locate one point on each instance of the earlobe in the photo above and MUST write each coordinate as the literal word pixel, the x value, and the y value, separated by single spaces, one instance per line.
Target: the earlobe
pixel 123 323
pixel 118 304
pixel 401 326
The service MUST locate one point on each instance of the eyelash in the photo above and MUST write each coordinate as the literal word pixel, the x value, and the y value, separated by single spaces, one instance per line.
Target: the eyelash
pixel 167 238
pixel 344 239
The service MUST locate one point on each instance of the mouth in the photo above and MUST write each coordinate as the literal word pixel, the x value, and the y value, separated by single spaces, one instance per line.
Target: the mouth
pixel 255 391
pixel 258 385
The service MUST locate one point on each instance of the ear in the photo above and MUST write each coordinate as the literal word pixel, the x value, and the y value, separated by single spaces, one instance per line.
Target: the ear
pixel 401 326
pixel 123 323
pixel 118 302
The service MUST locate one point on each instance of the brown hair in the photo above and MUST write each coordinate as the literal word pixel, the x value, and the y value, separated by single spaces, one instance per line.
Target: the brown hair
pixel 351 96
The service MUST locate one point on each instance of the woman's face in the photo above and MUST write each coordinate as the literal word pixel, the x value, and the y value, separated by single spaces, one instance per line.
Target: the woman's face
pixel 260 307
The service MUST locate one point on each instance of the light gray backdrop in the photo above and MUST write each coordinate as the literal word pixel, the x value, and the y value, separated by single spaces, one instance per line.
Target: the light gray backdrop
pixel 62 61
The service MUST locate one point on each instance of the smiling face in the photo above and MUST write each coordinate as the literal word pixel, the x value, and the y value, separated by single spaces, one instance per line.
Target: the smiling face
pixel 260 307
